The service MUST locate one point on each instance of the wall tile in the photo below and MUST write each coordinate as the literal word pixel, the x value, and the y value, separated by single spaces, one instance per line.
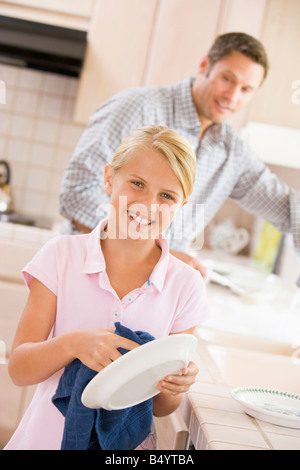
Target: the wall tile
pixel 34 202
pixel 10 75
pixel 31 80
pixel 55 84
pixel 42 155
pixel 37 179
pixel 10 99
pixel 37 136
pixel 46 131
pixel 69 135
pixel 18 174
pixel 18 150
pixel 51 106
pixel 62 157
pixel 5 121
pixel 26 102
pixel 22 126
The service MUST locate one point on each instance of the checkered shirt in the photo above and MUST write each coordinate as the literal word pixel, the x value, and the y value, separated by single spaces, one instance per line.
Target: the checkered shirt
pixel 226 167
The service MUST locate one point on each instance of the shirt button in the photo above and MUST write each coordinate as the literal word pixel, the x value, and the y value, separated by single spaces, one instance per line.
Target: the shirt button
pixel 116 314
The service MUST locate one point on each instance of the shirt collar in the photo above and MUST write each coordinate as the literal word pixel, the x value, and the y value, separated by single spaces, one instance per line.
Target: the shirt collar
pixel 95 262
pixel 185 109
pixel 158 275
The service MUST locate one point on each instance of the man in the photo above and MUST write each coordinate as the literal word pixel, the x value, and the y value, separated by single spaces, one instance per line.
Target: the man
pixel 229 75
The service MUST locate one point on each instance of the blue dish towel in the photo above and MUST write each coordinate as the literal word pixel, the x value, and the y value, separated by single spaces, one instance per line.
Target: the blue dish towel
pixel 99 429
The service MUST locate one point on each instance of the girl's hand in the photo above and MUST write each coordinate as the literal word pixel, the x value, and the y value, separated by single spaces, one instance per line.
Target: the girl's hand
pixel 179 384
pixel 97 348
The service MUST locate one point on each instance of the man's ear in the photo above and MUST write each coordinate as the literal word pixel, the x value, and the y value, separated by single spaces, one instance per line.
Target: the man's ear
pixel 108 179
pixel 204 66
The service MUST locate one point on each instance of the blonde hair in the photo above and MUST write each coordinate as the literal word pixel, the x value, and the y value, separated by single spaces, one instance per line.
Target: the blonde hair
pixel 175 148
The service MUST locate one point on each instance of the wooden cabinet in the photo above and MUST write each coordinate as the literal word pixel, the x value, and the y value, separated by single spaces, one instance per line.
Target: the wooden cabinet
pixel 117 49
pixel 154 42
pixel 278 100
pixel 14 400
pixel 13 294
pixel 183 32
pixel 143 42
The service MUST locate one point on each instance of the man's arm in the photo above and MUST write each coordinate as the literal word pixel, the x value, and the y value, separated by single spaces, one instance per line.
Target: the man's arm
pixel 263 194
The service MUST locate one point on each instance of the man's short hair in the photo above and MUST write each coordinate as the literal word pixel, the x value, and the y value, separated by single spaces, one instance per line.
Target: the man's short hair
pixel 228 43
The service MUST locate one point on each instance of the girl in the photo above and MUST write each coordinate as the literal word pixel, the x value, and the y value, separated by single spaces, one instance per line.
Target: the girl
pixel 122 271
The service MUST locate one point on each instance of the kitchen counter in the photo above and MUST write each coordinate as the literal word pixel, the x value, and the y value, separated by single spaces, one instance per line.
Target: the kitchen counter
pixel 214 419
pixel 18 244
pixel 265 308
pixel 250 341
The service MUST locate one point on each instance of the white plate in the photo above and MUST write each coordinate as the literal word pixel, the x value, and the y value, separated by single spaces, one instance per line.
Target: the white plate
pixel 272 406
pixel 133 377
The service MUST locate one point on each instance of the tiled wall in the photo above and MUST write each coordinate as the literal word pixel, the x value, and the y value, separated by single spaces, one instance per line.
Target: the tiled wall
pixel 37 136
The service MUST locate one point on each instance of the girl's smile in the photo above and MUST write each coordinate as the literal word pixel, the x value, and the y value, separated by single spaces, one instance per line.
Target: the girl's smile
pixel 144 191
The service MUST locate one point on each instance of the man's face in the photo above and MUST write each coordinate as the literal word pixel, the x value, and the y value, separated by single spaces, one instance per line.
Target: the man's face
pixel 226 87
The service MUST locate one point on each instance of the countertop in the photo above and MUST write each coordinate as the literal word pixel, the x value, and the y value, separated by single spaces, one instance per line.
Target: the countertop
pixel 258 327
pixel 217 422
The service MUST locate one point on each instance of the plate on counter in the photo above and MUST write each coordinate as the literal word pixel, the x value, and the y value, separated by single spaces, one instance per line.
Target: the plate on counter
pixel 132 378
pixel 273 406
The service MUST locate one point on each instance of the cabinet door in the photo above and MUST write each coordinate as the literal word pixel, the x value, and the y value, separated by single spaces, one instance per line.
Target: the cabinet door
pixel 143 42
pixel 11 398
pixel 13 299
pixel 183 33
pixel 274 103
pixel 118 44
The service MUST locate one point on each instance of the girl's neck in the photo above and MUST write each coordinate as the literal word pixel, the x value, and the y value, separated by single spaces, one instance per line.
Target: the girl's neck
pixel 129 264
pixel 131 252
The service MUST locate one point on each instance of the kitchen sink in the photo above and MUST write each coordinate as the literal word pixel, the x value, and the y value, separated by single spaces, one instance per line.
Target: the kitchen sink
pixel 245 368
pixel 243 341
pixel 16 218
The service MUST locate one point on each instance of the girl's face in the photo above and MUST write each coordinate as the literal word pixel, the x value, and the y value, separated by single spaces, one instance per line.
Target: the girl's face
pixel 145 194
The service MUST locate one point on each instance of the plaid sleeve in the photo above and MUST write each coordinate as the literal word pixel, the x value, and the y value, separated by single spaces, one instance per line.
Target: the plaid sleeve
pixel 262 193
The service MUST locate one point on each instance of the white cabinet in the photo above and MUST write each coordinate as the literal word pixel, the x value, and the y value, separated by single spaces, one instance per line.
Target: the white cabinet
pixel 13 294
pixel 277 102
pixel 14 400
pixel 117 50
pixel 154 42
pixel 276 145
pixel 14 256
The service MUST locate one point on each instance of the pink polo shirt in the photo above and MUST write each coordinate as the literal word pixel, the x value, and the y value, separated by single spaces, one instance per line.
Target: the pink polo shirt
pixel 73 268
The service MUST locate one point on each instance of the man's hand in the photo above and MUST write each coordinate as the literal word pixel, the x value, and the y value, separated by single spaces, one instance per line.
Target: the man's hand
pixel 193 262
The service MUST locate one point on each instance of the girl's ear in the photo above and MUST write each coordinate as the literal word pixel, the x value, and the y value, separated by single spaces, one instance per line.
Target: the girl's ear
pixel 108 178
